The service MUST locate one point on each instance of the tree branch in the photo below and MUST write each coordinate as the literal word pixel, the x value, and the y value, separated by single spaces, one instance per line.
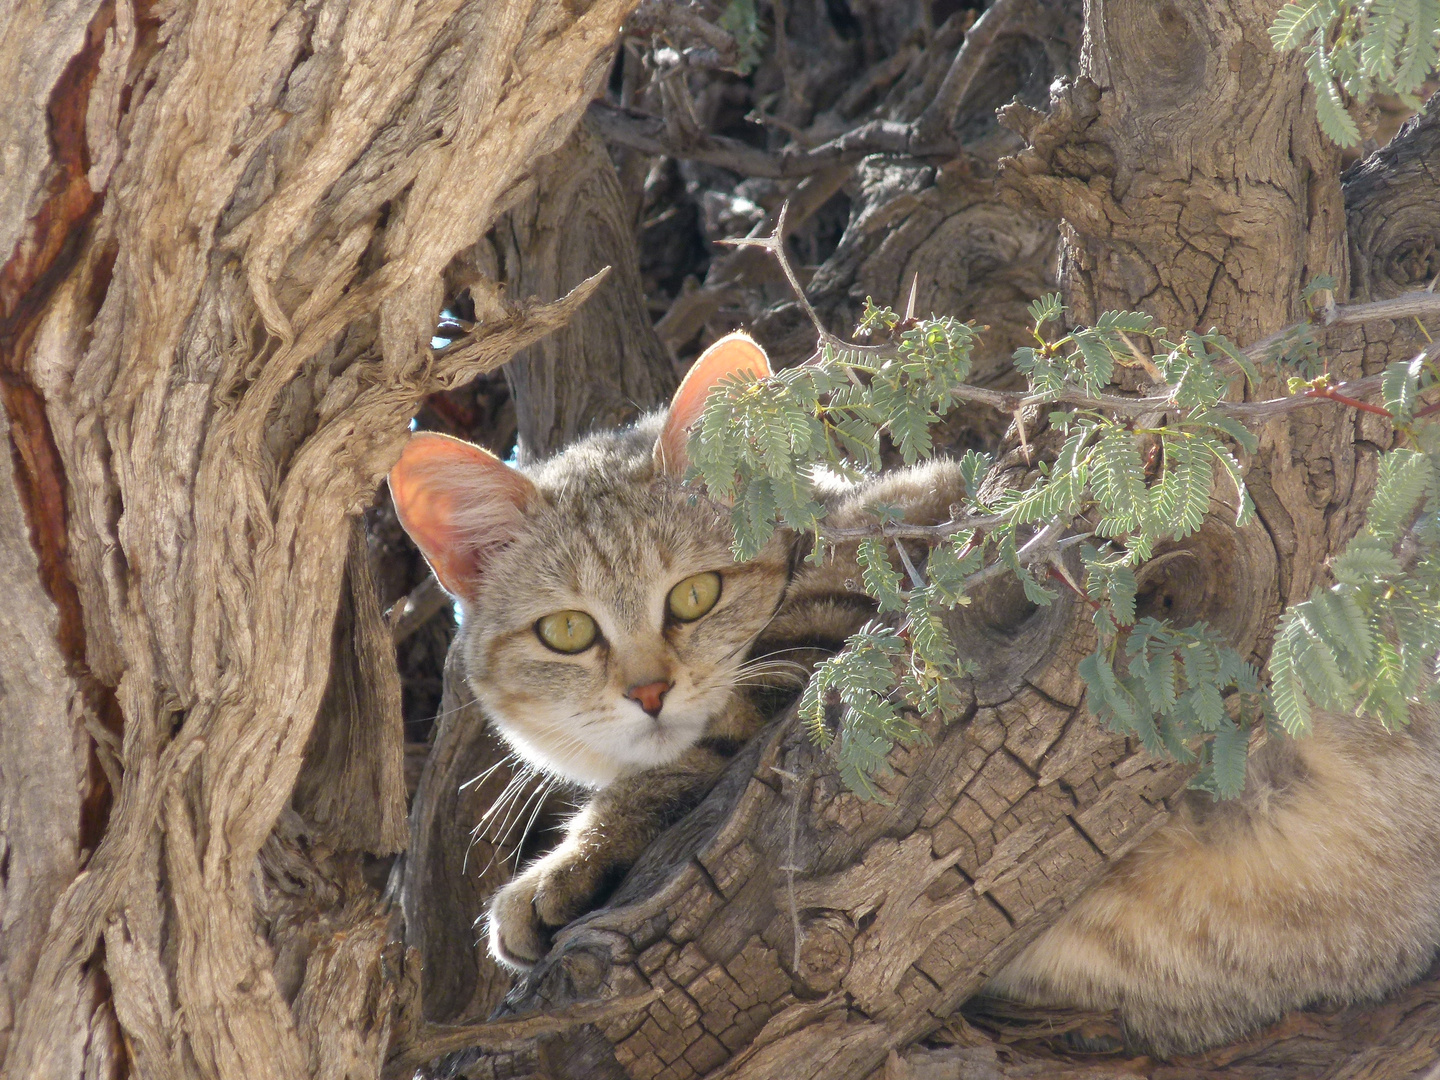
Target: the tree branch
pixel 435 1040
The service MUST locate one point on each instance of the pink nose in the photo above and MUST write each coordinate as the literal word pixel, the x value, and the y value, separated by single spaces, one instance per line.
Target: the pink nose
pixel 650 696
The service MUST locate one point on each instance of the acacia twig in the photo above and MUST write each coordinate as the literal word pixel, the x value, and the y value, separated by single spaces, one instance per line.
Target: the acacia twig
pixel 1411 304
pixel 898 529
pixel 775 244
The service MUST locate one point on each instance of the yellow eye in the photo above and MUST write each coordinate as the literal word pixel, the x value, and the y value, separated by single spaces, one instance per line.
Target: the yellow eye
pixel 695 596
pixel 567 631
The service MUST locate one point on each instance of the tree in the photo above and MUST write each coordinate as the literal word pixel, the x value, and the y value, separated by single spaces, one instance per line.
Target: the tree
pixel 230 231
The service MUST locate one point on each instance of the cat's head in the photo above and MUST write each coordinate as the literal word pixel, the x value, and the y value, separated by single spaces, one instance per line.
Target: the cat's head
pixel 606 621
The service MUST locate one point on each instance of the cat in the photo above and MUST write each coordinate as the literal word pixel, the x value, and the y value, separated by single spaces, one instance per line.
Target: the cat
pixel 606 632
pixel 607 625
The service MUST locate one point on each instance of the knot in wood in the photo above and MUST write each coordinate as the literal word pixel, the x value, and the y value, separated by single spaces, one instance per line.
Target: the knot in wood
pixel 824 957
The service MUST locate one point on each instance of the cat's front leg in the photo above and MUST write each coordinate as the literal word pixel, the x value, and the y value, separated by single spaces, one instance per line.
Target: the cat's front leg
pixel 601 842
pixel 559 887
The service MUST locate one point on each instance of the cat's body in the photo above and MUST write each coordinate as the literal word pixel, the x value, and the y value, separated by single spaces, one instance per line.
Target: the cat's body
pixel 607 631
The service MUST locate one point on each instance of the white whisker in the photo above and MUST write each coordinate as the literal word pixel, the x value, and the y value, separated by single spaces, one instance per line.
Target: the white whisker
pixel 475 781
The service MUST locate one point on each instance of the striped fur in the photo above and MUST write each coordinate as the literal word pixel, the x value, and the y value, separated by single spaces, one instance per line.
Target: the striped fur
pixel 609 531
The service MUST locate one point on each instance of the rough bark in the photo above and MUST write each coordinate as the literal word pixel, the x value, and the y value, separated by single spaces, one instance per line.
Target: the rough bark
pixel 454 865
pixel 1390 200
pixel 42 763
pixel 224 363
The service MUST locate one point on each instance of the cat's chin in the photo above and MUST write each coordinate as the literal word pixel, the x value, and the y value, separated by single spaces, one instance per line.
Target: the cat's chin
pixel 659 742
pixel 629 746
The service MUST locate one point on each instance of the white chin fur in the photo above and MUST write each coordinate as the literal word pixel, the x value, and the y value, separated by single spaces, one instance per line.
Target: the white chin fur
pixel 606 749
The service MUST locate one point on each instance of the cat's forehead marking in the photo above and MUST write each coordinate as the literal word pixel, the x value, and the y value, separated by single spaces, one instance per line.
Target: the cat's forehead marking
pixel 607 536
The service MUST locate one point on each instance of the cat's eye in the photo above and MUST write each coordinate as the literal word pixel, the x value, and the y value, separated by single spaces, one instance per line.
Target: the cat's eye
pixel 567 631
pixel 695 596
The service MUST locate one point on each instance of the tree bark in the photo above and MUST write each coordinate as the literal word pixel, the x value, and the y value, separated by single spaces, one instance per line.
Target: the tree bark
pixel 609 365
pixel 216 330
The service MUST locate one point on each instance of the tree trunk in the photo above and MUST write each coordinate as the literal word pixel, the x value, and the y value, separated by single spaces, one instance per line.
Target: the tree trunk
pixel 233 228
pixel 607 366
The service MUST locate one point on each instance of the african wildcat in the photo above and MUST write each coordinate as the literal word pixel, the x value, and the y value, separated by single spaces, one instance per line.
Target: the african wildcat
pixel 607 630
pixel 608 625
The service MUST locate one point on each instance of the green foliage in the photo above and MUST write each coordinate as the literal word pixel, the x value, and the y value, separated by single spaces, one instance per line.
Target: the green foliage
pixel 758 440
pixel 1369 641
pixel 1167 687
pixel 1128 477
pixel 856 684
pixel 741 20
pixel 1356 48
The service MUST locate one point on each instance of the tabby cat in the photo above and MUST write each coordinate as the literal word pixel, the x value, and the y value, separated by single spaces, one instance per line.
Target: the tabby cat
pixel 611 636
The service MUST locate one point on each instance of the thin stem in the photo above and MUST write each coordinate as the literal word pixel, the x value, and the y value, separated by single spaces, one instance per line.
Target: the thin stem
pixel 898 529
pixel 917 579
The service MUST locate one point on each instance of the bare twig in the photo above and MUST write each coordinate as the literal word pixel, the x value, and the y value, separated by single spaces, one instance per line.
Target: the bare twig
pixel 1046 544
pixel 791 868
pixel 648 134
pixel 880 74
pixel 691 310
pixel 775 244
pixel 413 611
pixel 917 579
pixel 1418 303
pixel 897 529
pixel 907 99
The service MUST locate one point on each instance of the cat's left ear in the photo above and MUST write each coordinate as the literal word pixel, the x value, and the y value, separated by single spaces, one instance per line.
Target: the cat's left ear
pixel 731 355
pixel 460 504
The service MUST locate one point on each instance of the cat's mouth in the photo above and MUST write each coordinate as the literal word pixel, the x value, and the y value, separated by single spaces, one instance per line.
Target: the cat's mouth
pixel 594 748
pixel 650 741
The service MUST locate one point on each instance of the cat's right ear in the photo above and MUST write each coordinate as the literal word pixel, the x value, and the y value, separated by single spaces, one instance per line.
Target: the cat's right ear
pixel 731 355
pixel 459 503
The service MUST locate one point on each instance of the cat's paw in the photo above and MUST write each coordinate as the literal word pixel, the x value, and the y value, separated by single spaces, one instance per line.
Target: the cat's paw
pixel 525 914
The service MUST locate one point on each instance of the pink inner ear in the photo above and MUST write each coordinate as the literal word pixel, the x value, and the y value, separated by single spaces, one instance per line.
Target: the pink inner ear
pixel 731 355
pixel 460 504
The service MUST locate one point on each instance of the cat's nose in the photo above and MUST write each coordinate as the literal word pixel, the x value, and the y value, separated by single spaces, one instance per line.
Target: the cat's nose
pixel 650 696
